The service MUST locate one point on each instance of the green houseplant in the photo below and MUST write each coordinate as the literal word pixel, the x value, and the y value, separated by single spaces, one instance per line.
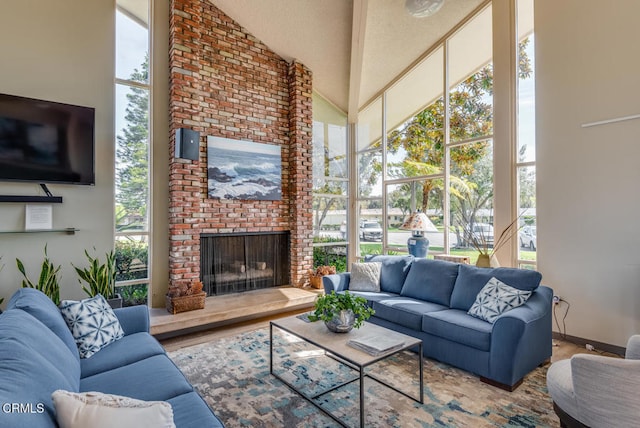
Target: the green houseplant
pixel 341 312
pixel 48 281
pixel 100 278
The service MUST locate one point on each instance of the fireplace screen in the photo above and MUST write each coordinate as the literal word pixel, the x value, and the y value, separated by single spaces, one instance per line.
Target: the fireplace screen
pixel 232 263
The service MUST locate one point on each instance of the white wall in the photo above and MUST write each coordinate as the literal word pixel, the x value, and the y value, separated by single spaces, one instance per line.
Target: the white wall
pixel 587 69
pixel 62 51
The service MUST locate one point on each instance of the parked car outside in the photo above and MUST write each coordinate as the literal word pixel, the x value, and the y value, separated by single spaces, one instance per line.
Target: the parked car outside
pixel 370 231
pixel 528 238
pixel 480 232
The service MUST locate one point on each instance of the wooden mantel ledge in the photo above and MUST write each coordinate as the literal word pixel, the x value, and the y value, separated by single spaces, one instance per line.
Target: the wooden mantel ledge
pixel 230 308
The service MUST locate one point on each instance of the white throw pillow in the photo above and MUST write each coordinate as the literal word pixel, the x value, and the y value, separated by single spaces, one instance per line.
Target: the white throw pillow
pixel 98 410
pixel 496 298
pixel 92 322
pixel 365 277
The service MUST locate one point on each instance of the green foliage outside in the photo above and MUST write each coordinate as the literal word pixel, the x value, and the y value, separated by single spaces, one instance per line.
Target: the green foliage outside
pixel 330 255
pixel 132 259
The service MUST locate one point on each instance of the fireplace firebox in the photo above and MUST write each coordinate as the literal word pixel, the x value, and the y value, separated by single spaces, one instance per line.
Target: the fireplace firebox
pixel 237 262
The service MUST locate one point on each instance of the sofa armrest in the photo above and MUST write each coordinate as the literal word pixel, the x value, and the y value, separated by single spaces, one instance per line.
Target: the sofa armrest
pixel 633 348
pixel 521 339
pixel 133 319
pixel 606 390
pixel 336 282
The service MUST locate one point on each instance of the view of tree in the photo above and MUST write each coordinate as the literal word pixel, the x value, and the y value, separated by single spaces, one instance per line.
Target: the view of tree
pixel 132 152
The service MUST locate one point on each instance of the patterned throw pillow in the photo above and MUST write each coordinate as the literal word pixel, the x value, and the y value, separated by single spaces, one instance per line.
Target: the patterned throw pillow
pixel 92 322
pixel 98 410
pixel 496 298
pixel 365 276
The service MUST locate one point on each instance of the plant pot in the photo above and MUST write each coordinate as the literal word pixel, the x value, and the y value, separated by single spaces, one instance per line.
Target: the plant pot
pixel 115 301
pixel 316 282
pixel 342 322
pixel 185 303
pixel 486 261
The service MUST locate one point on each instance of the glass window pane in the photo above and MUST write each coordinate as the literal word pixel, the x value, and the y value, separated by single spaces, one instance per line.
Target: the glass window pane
pixel 329 214
pixel 369 174
pixel 527 207
pixel 369 127
pixel 526 94
pixel 132 41
pixel 471 182
pixel 132 158
pixel 132 257
pixel 370 226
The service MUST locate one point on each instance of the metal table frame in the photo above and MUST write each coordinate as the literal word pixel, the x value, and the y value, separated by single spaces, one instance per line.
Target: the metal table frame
pixel 351 364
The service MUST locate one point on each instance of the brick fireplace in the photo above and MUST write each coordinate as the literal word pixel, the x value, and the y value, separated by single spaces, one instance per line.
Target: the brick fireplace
pixel 226 83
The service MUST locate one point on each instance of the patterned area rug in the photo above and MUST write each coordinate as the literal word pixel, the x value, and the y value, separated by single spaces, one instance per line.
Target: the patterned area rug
pixel 232 374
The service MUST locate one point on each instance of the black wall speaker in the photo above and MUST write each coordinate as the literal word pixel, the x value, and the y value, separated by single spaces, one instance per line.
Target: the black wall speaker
pixel 187 144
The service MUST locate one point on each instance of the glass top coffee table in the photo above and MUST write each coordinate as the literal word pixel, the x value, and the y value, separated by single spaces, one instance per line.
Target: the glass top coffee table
pixel 335 345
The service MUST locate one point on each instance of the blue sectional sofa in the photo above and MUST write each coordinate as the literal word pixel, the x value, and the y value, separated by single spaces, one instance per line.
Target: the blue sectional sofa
pixel 429 299
pixel 38 355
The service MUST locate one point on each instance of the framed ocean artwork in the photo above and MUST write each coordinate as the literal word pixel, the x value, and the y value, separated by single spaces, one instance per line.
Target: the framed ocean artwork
pixel 238 169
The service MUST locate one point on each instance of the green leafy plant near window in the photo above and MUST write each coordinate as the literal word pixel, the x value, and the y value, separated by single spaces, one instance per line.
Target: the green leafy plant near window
pixel 48 281
pixel 100 277
pixel 329 305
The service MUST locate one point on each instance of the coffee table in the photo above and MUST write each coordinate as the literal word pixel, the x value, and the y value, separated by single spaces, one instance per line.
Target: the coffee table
pixel 335 346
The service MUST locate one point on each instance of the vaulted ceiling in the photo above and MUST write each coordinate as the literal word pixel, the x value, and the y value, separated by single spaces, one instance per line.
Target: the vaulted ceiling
pixel 354 48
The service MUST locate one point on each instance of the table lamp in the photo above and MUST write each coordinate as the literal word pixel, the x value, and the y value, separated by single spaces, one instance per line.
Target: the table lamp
pixel 418 223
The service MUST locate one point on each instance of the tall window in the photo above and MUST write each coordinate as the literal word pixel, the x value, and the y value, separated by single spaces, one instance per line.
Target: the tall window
pixel 132 190
pixel 526 154
pixel 330 185
pixel 426 145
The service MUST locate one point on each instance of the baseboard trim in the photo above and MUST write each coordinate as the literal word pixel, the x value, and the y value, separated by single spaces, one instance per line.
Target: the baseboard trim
pixel 600 346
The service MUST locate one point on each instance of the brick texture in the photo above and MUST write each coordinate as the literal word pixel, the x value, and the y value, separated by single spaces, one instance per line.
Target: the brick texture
pixel 226 83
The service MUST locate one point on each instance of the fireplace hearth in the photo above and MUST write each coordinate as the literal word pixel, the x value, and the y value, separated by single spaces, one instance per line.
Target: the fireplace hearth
pixel 237 262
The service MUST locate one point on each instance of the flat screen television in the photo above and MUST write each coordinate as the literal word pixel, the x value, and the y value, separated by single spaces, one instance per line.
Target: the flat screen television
pixel 46 142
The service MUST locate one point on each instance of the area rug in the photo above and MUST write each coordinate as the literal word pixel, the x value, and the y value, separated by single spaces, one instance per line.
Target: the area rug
pixel 232 375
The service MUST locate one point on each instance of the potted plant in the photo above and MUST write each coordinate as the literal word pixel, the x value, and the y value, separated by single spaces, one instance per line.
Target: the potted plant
pixel 101 278
pixel 48 281
pixel 315 275
pixel 185 297
pixel 341 312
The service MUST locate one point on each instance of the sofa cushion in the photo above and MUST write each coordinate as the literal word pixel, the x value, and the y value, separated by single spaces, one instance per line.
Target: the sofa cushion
pixel 496 298
pixel 393 272
pixel 34 362
pixel 92 323
pixel 471 279
pixel 152 379
pixel 37 304
pixel 129 349
pixel 373 296
pixel 365 276
pixel 98 410
pixel 405 311
pixel 457 326
pixel 431 280
pixel 189 410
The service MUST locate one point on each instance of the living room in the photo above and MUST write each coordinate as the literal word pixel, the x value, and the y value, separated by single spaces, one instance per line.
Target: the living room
pixel 585 66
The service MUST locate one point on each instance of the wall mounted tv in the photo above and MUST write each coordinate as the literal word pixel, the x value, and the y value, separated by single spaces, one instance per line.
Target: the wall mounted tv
pixel 45 141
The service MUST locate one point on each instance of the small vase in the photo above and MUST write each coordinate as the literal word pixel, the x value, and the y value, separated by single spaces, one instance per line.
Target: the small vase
pixel 342 322
pixel 485 261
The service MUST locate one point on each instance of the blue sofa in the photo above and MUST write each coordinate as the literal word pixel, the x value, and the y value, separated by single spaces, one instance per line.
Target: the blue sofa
pixel 429 299
pixel 38 355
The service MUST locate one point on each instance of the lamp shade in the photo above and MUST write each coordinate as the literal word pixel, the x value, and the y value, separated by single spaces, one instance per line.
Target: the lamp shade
pixel 422 8
pixel 418 221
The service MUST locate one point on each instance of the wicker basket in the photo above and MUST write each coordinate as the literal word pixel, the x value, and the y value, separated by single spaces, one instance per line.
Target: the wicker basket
pixel 316 281
pixel 185 303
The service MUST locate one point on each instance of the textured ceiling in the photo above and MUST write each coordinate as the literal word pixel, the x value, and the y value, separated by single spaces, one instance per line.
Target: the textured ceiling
pixel 318 33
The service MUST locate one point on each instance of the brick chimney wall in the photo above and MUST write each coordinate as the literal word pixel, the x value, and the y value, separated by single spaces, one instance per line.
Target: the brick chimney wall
pixel 226 83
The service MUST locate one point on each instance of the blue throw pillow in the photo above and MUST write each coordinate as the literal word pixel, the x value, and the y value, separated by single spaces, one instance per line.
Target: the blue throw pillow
pixel 393 272
pixel 471 279
pixel 431 280
pixel 496 298
pixel 93 324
